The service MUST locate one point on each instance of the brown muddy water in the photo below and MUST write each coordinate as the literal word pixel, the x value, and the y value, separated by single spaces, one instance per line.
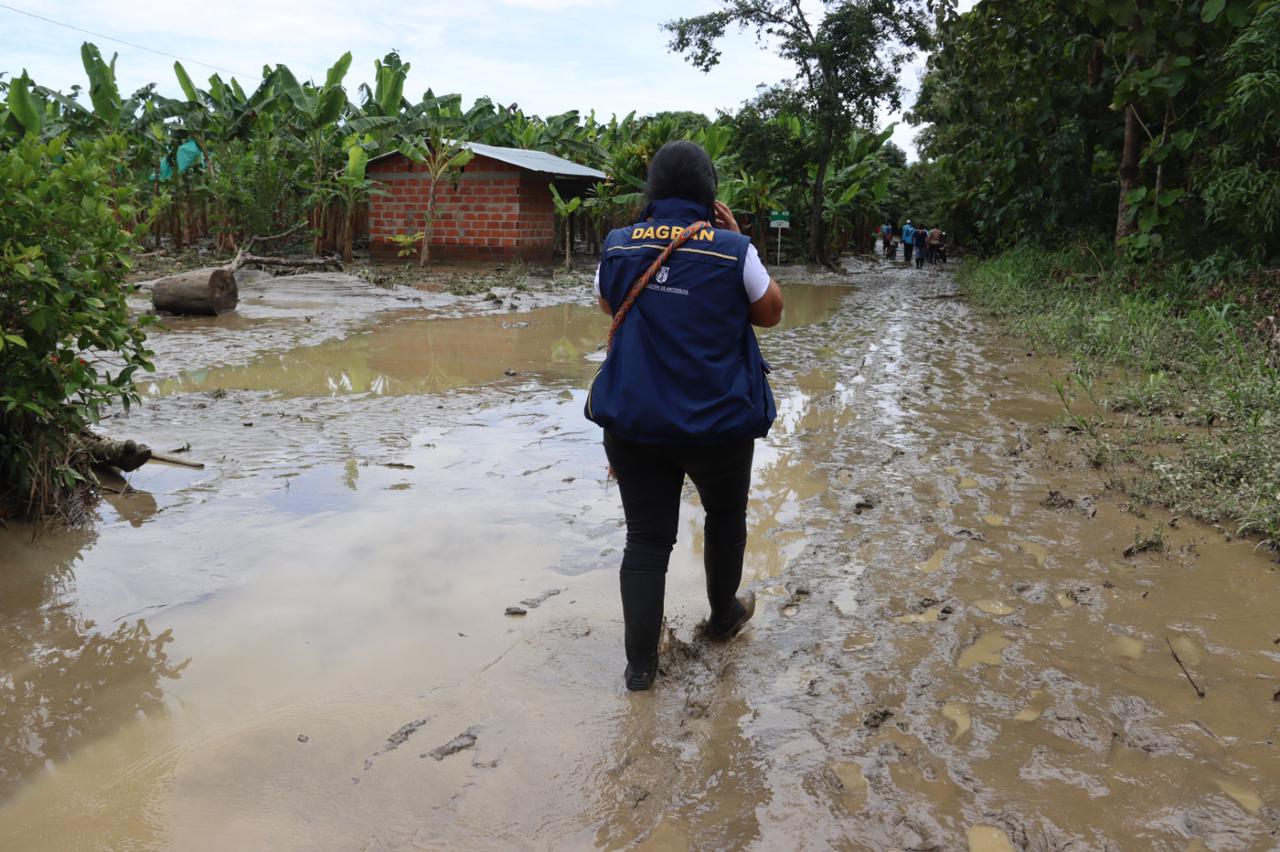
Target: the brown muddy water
pixel 304 645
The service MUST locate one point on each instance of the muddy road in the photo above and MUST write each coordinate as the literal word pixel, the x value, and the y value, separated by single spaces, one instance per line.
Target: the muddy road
pixel 306 645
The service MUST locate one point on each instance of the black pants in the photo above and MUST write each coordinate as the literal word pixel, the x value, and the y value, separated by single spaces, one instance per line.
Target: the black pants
pixel 920 256
pixel 650 478
pixel 906 251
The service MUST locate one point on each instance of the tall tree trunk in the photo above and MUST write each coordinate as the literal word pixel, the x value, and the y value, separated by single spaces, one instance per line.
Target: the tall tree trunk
pixel 817 229
pixel 1128 173
pixel 425 256
pixel 348 232
pixel 762 234
pixel 568 241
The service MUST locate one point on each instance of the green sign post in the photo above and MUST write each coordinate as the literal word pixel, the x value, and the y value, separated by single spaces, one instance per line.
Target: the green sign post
pixel 779 219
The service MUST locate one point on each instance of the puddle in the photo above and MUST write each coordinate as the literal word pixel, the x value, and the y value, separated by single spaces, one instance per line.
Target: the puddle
pixel 263 649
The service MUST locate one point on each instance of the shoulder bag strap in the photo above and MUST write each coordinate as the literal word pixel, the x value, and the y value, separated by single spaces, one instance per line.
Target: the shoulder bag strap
pixel 643 280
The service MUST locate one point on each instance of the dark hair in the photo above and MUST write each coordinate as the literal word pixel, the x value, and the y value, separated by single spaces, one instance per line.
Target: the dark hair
pixel 682 169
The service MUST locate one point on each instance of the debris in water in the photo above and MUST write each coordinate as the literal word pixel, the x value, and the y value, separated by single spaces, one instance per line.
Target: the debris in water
pixel 534 603
pixel 247 423
pixel 185 448
pixel 1058 500
pixel 1199 692
pixel 464 740
pixel 510 372
pixel 516 610
pixel 302 738
pixel 402 734
pixel 398 465
pixel 877 718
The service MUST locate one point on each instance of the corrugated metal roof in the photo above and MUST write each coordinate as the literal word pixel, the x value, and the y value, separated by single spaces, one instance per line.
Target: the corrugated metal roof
pixel 534 161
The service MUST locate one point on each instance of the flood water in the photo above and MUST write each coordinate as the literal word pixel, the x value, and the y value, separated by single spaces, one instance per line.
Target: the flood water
pixel 304 645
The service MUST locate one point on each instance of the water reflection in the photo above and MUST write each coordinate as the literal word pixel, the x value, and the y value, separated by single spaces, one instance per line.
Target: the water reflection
pixel 64 680
pixel 431 355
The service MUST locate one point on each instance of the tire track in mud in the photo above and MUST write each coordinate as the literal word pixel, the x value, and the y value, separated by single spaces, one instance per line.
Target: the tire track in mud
pixel 952 657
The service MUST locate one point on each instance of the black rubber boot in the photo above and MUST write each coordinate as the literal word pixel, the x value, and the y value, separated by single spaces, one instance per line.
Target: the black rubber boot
pixel 722 561
pixel 642 598
pixel 723 627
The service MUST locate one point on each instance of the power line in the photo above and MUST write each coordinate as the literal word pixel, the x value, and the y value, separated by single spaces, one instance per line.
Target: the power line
pixel 129 43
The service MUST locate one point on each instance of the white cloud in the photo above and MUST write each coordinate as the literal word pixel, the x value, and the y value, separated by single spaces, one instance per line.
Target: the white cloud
pixel 547 55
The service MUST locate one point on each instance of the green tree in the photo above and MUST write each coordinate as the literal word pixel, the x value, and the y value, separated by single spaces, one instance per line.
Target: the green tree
pixel 68 345
pixel 847 67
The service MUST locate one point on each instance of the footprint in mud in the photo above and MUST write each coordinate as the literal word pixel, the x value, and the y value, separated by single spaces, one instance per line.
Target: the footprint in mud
pixel 934 562
pixel 959 715
pixel 1126 646
pixel 1038 551
pixel 988 838
pixel 1035 707
pixel 991 606
pixel 988 650
pixel 1243 795
pixel 928 616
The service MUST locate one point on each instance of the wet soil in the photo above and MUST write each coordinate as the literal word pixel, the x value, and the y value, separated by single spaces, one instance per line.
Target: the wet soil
pixel 951 648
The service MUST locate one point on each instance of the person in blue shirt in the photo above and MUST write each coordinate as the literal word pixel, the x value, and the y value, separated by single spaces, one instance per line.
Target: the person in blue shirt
pixel 682 392
pixel 921 238
pixel 908 235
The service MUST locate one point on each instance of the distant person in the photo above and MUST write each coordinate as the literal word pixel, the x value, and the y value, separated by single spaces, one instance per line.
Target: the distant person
pixel 682 391
pixel 920 237
pixel 886 238
pixel 908 233
pixel 942 248
pixel 935 240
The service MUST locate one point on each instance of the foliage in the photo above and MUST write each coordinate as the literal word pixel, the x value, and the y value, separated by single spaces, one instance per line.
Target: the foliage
pixel 68 346
pixel 1152 122
pixel 1199 366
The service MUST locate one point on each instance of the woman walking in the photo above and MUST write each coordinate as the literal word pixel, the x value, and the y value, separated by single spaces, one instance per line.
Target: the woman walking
pixel 682 391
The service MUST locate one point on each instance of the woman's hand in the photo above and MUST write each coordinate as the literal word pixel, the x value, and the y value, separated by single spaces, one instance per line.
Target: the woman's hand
pixel 724 218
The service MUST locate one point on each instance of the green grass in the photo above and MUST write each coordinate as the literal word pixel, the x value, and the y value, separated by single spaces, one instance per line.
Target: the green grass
pixel 1188 371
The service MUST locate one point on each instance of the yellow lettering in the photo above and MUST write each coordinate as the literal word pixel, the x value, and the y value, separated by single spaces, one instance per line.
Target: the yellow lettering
pixel 663 232
pixel 637 234
pixel 707 235
pixel 676 231
pixel 648 233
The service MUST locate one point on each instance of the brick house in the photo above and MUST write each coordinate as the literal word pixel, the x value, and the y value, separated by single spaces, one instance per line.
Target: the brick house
pixel 498 208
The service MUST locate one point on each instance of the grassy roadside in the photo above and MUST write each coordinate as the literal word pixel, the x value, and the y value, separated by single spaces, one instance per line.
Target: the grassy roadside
pixel 1186 372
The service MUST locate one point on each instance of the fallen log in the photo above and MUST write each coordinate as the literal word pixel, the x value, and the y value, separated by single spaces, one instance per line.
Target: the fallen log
pixel 281 264
pixel 125 455
pixel 202 292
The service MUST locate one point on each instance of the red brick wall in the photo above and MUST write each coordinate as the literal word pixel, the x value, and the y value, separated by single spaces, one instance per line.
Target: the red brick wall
pixel 491 211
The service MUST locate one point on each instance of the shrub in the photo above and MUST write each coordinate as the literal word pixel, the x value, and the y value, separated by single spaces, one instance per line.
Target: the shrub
pixel 68 346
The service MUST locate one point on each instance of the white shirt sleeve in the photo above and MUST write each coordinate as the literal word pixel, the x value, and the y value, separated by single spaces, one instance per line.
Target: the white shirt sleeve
pixel 597 279
pixel 755 278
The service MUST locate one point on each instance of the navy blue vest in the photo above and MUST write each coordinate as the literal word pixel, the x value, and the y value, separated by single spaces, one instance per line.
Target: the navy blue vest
pixel 685 367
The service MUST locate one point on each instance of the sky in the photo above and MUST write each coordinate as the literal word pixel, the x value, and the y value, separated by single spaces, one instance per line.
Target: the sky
pixel 548 56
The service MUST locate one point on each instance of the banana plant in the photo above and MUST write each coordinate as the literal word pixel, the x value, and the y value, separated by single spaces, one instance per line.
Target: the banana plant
pixel 433 137
pixel 565 210
pixel 317 110
pixel 25 106
pixel 353 187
